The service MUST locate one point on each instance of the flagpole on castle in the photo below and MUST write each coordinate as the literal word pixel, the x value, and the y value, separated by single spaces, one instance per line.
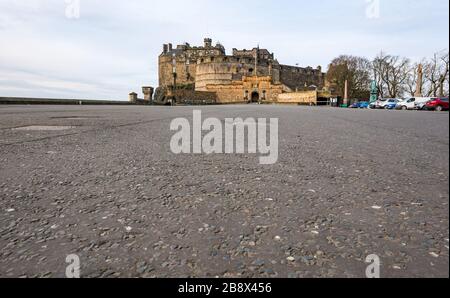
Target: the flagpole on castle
pixel 256 61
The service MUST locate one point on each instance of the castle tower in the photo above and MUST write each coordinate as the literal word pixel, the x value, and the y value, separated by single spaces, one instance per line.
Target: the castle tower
pixel 133 97
pixel 148 93
pixel 208 42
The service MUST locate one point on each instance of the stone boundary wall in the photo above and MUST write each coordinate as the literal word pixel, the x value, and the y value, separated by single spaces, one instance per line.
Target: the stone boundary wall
pixel 229 94
pixel 304 97
pixel 56 101
pixel 195 97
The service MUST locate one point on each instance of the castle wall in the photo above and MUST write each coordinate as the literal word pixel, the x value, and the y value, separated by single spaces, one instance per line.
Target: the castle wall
pixel 214 73
pixel 234 78
pixel 303 97
pixel 228 94
pixel 185 58
pixel 263 54
pixel 267 91
pixel 299 78
pixel 195 97
pixel 186 72
pixel 224 70
pixel 241 91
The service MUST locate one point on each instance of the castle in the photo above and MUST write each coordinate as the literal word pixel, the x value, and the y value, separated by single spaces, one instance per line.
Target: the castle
pixel 206 74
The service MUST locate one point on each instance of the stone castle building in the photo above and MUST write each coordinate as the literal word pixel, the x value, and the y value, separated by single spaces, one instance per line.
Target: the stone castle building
pixel 209 74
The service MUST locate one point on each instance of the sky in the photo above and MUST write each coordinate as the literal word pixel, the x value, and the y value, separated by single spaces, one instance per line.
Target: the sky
pixel 104 49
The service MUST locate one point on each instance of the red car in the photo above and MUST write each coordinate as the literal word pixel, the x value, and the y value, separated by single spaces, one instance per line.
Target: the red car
pixel 437 104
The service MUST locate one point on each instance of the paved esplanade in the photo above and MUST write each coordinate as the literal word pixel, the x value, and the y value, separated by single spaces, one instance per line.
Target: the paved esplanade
pixel 348 183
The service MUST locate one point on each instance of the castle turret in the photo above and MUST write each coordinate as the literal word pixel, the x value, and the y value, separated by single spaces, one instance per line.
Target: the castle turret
pixel 133 97
pixel 208 42
pixel 148 93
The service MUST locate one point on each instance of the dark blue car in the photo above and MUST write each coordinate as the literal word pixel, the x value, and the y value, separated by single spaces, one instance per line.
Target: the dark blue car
pixel 364 105
pixel 391 104
pixel 360 105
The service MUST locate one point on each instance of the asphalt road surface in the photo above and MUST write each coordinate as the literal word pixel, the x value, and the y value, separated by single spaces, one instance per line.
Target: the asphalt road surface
pixel 348 184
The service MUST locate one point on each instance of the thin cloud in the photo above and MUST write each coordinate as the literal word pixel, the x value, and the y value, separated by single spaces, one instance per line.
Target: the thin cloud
pixel 113 47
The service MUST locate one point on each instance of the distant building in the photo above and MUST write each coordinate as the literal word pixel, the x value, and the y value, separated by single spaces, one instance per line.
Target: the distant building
pixel 245 76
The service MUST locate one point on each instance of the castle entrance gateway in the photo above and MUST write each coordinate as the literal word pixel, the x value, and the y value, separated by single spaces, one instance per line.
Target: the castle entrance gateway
pixel 255 97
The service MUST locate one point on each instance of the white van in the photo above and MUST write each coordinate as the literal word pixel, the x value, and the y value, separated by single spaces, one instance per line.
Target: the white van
pixel 412 103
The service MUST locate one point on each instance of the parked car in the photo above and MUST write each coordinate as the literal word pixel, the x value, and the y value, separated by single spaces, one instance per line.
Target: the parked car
pixel 379 104
pixel 390 104
pixel 354 105
pixel 421 105
pixel 364 105
pixel 359 105
pixel 412 103
pixel 437 104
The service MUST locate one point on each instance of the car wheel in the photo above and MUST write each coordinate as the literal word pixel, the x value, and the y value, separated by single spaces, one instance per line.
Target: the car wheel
pixel 404 108
pixel 439 109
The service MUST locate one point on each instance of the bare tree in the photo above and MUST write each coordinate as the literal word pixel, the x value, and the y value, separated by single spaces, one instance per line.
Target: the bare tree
pixel 431 75
pixel 444 74
pixel 392 73
pixel 412 78
pixel 436 73
pixel 355 70
pixel 379 65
